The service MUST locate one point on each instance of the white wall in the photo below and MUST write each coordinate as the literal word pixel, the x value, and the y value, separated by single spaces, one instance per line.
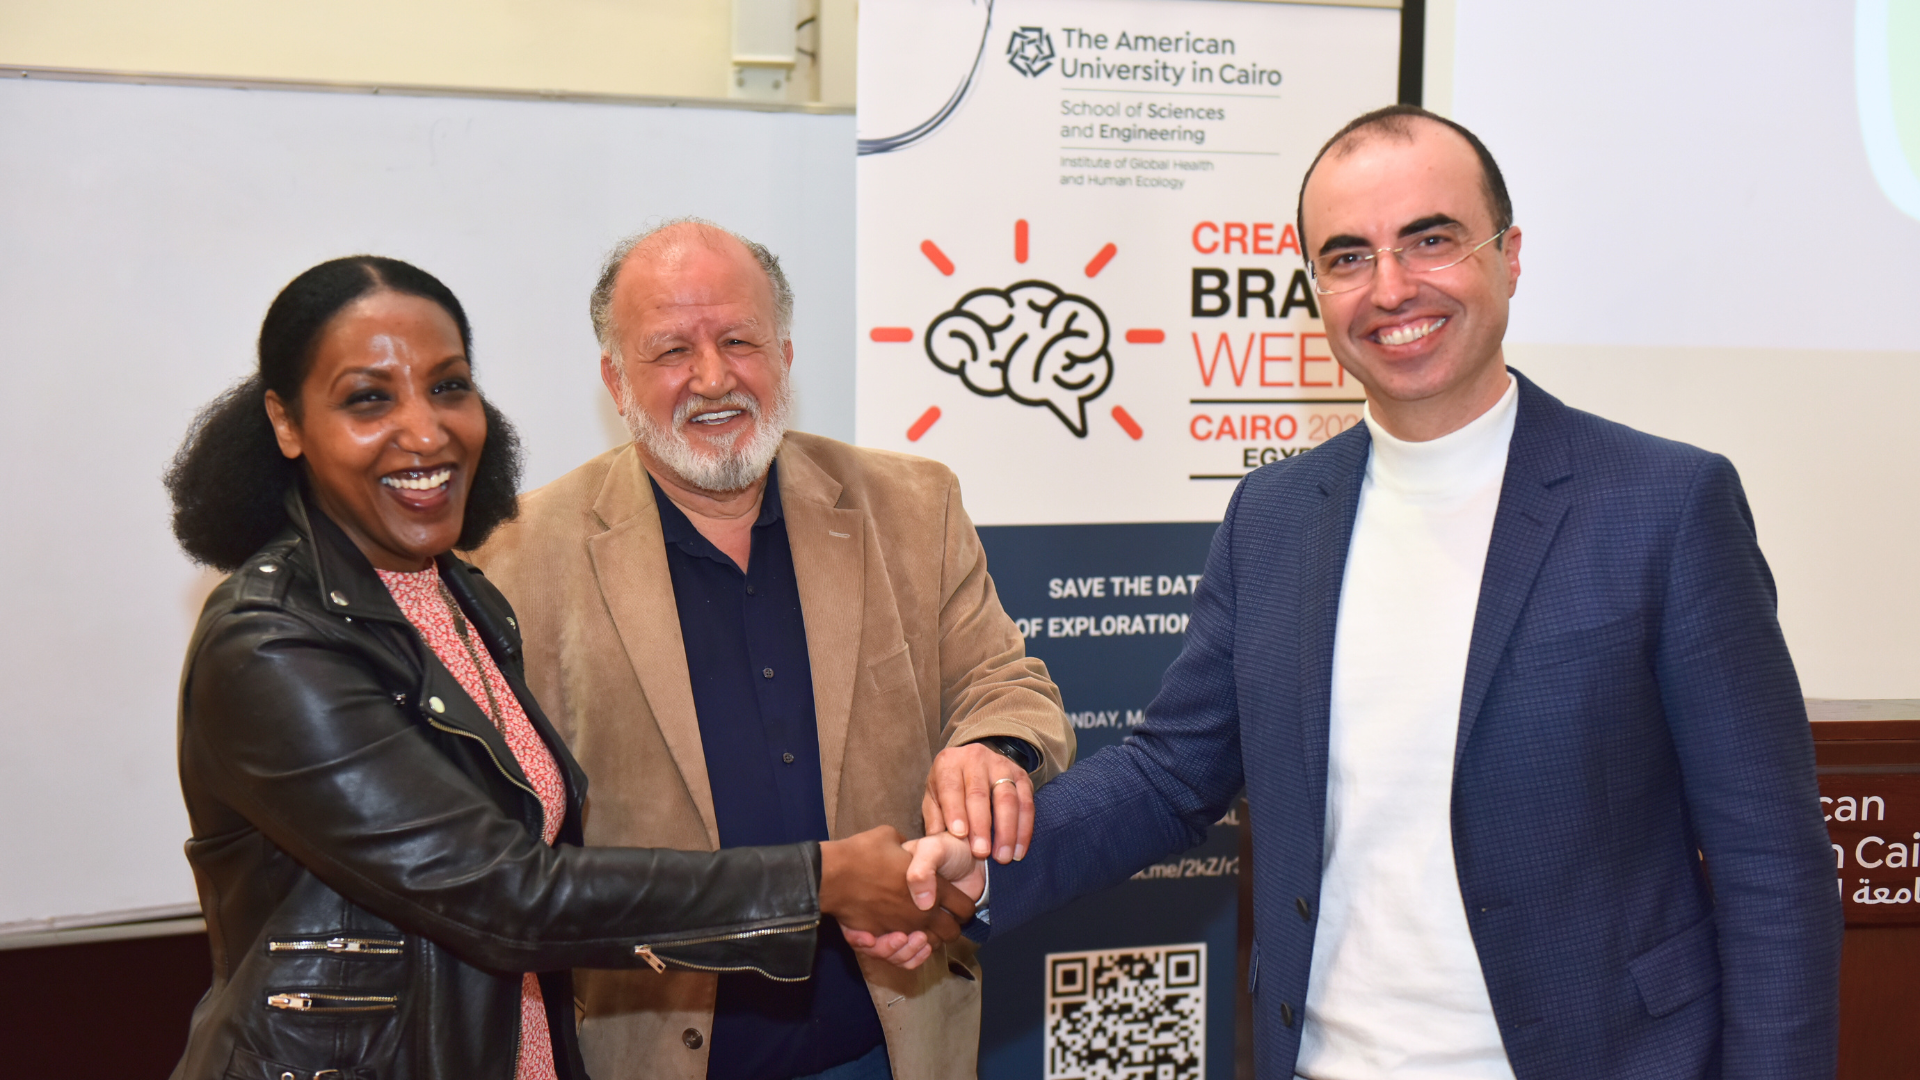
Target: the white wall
pixel 672 48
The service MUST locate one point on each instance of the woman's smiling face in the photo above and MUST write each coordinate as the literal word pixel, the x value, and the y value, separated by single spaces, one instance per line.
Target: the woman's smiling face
pixel 389 426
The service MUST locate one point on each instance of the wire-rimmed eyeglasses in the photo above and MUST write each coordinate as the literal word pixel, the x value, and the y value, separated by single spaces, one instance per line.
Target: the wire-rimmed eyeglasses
pixel 1435 249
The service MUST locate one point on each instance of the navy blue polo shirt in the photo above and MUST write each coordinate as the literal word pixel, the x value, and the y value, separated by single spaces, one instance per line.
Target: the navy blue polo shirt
pixel 753 690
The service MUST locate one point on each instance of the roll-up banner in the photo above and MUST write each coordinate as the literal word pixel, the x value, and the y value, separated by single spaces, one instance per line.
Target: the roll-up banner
pixel 1080 287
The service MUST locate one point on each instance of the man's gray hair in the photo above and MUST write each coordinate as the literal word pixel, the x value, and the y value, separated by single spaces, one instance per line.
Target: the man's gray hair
pixel 600 303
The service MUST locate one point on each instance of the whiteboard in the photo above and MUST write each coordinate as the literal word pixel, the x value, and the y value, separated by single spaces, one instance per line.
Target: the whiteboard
pixel 144 231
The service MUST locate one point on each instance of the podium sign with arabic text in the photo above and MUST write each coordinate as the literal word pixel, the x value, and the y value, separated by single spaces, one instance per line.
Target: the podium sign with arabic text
pixel 1874 823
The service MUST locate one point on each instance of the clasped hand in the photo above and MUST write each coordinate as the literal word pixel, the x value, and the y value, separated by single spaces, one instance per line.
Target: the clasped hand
pixel 977 804
pixel 896 898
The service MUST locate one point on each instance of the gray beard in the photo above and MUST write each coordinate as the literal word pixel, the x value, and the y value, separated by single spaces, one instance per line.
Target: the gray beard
pixel 734 465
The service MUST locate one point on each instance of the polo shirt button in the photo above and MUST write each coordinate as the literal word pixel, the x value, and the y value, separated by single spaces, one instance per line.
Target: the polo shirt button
pixel 788 758
pixel 1286 1014
pixel 749 590
pixel 766 673
pixel 692 1038
pixel 1301 905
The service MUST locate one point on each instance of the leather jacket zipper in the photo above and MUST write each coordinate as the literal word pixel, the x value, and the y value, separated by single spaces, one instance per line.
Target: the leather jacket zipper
pixel 659 963
pixel 437 725
pixel 316 1001
pixel 519 1044
pixel 356 945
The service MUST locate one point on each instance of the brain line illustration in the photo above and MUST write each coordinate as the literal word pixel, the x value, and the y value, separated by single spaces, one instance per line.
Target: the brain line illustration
pixel 1033 342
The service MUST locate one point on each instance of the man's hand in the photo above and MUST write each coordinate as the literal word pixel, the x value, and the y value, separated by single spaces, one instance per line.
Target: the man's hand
pixel 978 795
pixel 937 859
pixel 863 885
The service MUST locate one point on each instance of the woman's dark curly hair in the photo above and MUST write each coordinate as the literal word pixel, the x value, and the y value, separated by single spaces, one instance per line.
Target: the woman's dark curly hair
pixel 228 479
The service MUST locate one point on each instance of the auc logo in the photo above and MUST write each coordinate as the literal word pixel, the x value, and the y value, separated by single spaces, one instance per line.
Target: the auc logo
pixel 1030 51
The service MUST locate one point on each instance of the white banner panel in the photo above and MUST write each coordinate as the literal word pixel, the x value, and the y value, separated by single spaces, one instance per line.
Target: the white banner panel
pixel 1080 287
pixel 1080 284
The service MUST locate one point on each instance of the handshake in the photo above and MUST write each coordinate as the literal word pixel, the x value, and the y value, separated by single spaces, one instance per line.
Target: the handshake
pixel 896 898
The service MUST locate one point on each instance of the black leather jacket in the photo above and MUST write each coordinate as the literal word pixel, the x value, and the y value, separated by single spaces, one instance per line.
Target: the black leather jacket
pixel 368 852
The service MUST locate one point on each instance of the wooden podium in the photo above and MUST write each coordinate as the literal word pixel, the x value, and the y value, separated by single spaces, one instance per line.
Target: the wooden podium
pixel 1869 760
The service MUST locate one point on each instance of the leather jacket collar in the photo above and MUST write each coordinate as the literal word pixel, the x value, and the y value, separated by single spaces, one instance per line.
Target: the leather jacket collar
pixel 346 584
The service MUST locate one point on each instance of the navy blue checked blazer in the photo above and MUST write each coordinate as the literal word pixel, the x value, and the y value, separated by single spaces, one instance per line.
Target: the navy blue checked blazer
pixel 1636 825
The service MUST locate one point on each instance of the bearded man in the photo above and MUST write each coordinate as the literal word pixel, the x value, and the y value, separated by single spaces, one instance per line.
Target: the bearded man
pixel 750 635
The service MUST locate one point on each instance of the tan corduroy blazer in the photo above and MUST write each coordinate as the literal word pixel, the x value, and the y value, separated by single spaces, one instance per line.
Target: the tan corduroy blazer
pixel 911 652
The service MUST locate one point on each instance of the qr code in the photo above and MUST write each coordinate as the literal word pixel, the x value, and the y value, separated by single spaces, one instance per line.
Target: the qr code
pixel 1127 1014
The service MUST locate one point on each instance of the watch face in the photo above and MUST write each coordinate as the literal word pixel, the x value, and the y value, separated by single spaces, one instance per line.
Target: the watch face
pixel 1887 80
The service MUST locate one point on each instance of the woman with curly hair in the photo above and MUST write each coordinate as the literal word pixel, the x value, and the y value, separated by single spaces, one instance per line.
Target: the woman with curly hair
pixel 385 828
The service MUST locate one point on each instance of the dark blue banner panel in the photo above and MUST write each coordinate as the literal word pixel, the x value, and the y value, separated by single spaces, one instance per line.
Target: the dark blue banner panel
pixel 1136 981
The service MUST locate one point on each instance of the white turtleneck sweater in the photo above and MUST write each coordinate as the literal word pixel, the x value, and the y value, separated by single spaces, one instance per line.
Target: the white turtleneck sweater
pixel 1396 989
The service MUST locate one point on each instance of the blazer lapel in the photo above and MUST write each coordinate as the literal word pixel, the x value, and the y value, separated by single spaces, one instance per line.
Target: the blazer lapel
pixel 630 568
pixel 829 545
pixel 1325 538
pixel 1531 508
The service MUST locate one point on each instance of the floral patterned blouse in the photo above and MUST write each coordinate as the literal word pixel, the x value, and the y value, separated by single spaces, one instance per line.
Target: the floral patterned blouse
pixel 426 604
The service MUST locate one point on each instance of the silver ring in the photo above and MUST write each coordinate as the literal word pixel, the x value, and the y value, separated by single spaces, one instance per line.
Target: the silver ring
pixel 1003 780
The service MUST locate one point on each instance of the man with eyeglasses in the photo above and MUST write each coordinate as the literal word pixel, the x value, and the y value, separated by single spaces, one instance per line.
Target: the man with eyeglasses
pixel 1531 777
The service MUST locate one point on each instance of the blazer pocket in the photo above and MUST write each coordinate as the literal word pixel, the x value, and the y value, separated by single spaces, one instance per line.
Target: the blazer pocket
pixel 892 671
pixel 1679 969
pixel 1575 644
